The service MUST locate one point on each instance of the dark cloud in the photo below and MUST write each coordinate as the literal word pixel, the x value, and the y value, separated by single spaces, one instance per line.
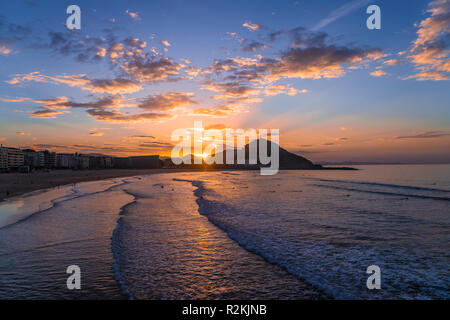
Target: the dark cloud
pixel 113 86
pixel 103 109
pixel 45 113
pixel 141 137
pixel 317 62
pixel 152 69
pixel 301 37
pixel 426 135
pixel 10 34
pixel 275 35
pixel 230 90
pixel 253 46
pixel 309 55
pixel 49 146
pixel 167 101
pixel 157 145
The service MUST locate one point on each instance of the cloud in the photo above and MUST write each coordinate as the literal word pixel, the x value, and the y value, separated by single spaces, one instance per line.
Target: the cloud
pixel 96 134
pixel 103 109
pixel 326 61
pixel 214 112
pixel 340 12
pixel 393 62
pixel 49 146
pixel 114 86
pixel 76 80
pixel 228 108
pixel 430 52
pixel 133 15
pixel 108 108
pixel 83 48
pixel 308 56
pixel 45 113
pixel 116 117
pixel 91 148
pixel 111 86
pixel 166 43
pixel 427 76
pixel 10 34
pixel 426 135
pixel 378 73
pixel 18 99
pixel 101 52
pixel 152 69
pixel 251 26
pixel 167 101
pixel 138 137
pixel 4 49
pixel 20 133
pixel 157 145
pixel 49 108
pixel 282 89
pixel 192 71
pixel 230 90
pixel 241 81
pixel 253 46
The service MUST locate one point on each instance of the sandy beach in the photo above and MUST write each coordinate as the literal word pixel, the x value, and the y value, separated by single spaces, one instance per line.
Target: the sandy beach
pixel 14 184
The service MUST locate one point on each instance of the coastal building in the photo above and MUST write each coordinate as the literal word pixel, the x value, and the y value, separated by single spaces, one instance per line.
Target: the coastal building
pixel 96 162
pixel 100 162
pixel 11 158
pixel 65 160
pixel 30 158
pixel 168 163
pixel 3 159
pixel 145 162
pixel 137 162
pixel 122 163
pixel 49 159
pixel 81 161
pixel 40 159
pixel 109 162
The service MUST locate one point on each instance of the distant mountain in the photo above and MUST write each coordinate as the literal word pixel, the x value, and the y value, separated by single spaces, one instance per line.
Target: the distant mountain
pixel 287 159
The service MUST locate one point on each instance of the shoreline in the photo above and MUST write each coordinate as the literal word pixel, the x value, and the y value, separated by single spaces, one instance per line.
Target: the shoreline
pixel 17 184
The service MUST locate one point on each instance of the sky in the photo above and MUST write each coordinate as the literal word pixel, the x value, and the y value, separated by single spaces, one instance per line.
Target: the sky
pixel 138 70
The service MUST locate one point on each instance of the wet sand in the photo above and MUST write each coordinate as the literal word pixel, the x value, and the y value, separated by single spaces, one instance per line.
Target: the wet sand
pixel 14 184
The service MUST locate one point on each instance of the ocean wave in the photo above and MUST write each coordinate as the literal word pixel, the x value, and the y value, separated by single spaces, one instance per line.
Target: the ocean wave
pixel 116 245
pixel 333 265
pixel 382 185
pixel 18 209
pixel 405 195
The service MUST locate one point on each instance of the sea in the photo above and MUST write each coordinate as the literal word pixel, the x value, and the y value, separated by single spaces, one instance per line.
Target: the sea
pixel 308 234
